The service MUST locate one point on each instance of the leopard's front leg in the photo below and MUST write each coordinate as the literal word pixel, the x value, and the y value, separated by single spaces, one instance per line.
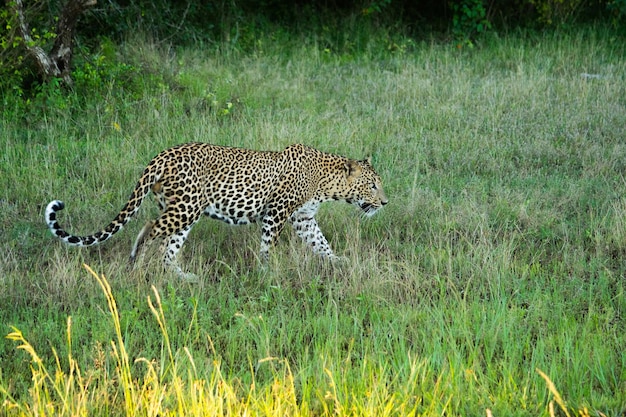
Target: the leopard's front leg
pixel 309 231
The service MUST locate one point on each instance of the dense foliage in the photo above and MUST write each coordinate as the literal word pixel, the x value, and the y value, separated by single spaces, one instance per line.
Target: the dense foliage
pixel 241 23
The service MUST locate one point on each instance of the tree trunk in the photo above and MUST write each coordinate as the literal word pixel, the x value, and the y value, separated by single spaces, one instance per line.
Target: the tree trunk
pixel 57 63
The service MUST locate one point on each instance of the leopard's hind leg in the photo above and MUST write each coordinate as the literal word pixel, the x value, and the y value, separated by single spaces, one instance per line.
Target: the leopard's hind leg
pixel 173 227
pixel 141 239
pixel 157 191
pixel 171 246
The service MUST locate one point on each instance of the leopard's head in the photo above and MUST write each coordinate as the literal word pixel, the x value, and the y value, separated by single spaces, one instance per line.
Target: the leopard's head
pixel 365 188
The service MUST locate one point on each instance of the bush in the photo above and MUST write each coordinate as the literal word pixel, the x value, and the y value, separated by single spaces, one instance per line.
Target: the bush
pixel 617 8
pixel 469 19
pixel 551 12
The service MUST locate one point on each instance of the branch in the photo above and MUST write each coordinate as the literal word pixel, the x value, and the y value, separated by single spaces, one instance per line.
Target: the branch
pixel 64 42
pixel 57 63
pixel 47 66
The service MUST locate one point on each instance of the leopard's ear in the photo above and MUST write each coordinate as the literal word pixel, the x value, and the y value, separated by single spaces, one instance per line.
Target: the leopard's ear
pixel 353 170
pixel 368 159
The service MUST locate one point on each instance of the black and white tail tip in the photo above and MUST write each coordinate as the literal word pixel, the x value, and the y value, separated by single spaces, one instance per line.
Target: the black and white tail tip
pixel 51 215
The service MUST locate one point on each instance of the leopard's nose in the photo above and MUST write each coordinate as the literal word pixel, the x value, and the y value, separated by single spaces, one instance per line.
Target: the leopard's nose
pixel 384 202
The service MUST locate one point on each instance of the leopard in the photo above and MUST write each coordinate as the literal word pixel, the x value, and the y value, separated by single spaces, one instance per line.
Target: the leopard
pixel 238 186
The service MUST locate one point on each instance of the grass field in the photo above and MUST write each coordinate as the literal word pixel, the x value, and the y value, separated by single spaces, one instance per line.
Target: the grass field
pixel 493 281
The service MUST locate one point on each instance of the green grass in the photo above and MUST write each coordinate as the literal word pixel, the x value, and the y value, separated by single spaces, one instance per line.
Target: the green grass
pixel 500 254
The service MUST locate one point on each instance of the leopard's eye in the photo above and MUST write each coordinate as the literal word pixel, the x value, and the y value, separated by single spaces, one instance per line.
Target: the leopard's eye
pixel 374 187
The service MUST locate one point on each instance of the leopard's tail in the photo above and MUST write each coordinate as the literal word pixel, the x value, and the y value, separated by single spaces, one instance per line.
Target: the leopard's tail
pixel 130 209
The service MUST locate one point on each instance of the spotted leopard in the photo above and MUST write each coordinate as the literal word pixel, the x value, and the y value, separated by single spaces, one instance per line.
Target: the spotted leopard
pixel 238 186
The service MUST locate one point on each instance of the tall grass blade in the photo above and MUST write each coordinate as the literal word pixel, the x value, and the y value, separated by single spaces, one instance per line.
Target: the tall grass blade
pixel 554 391
pixel 119 350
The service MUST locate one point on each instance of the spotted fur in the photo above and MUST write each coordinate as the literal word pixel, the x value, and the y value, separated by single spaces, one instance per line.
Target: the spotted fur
pixel 238 186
